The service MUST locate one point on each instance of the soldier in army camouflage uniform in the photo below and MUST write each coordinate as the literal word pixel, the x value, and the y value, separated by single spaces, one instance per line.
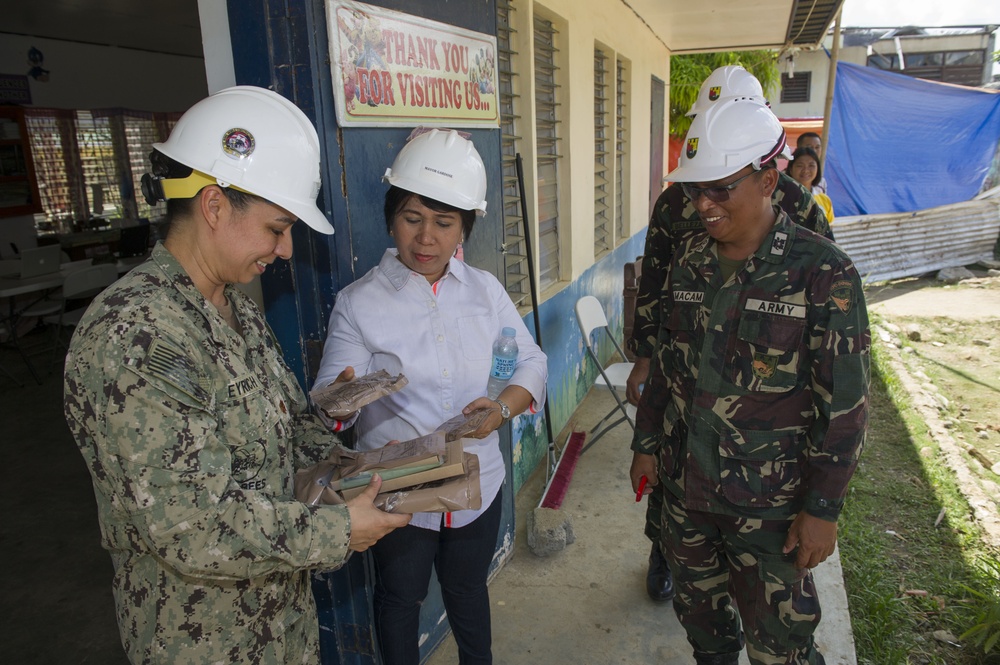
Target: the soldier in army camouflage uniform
pixel 674 220
pixel 190 421
pixel 755 409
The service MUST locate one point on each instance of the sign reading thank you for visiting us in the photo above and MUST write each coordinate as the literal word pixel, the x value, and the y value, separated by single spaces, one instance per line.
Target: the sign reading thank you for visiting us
pixel 394 69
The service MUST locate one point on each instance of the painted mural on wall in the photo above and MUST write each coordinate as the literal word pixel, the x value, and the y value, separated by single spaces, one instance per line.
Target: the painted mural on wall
pixel 571 371
pixel 394 69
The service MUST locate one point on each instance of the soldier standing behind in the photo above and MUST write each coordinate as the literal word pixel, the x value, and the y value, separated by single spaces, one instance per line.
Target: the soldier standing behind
pixel 756 403
pixel 188 418
pixel 675 219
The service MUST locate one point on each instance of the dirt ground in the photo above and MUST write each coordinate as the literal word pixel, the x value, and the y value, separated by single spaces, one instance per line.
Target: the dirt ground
pixel 943 338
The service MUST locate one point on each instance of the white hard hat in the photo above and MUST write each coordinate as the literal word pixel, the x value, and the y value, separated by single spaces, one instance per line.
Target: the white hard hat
pixel 729 136
pixel 725 82
pixel 443 166
pixel 256 141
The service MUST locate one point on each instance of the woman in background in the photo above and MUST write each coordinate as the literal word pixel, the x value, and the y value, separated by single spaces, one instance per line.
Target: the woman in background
pixel 806 169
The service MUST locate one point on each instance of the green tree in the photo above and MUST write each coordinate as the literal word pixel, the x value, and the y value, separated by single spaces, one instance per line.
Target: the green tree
pixel 688 71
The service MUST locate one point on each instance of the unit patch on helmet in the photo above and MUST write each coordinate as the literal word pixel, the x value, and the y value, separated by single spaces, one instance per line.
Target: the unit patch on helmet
pixel 238 143
pixel 714 92
pixel 692 148
pixel 842 295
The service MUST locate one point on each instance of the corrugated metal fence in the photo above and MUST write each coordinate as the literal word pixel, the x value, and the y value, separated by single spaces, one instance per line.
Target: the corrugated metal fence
pixel 895 245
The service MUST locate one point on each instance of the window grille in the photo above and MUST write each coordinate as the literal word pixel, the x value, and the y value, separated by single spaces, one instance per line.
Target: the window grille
pixel 53 149
pixel 547 150
pixel 514 248
pixel 140 135
pixel 82 155
pixel 795 89
pixel 621 185
pixel 602 173
pixel 958 67
pixel 97 159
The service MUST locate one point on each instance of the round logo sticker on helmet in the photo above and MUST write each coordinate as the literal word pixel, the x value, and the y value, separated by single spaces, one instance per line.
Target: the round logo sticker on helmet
pixel 238 143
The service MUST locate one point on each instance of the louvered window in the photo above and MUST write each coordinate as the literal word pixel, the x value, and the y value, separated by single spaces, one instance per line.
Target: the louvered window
pixel 141 132
pixel 53 148
pixel 602 172
pixel 621 145
pixel 547 147
pixel 959 67
pixel 797 88
pixel 97 159
pixel 89 163
pixel 514 248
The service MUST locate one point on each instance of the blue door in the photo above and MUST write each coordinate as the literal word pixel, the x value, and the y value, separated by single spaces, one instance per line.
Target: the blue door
pixel 283 45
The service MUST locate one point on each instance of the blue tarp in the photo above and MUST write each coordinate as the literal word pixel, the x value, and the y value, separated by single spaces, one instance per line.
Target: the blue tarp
pixel 899 144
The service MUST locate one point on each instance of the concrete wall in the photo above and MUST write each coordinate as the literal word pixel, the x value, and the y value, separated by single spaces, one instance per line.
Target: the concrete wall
pixel 86 76
pixel 583 25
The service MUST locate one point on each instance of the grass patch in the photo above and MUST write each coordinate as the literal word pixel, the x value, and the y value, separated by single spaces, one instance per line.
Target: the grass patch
pixel 909 576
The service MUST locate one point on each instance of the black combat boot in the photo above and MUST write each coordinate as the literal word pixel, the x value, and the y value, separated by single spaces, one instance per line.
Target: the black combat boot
pixel 659 582
pixel 717 658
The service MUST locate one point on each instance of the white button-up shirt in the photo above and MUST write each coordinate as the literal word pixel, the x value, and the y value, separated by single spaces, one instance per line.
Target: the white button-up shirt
pixel 441 338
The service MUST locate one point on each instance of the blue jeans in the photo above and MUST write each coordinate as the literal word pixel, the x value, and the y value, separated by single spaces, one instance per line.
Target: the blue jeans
pixel 403 561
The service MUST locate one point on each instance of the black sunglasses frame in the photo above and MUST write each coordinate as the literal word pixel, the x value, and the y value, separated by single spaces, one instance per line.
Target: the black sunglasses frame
pixel 718 194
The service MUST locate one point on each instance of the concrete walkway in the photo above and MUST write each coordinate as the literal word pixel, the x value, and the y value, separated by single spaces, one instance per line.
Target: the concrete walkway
pixel 587 604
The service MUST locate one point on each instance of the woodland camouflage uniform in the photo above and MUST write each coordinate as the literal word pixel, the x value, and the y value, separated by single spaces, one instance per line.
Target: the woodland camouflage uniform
pixel 192 434
pixel 757 406
pixel 674 220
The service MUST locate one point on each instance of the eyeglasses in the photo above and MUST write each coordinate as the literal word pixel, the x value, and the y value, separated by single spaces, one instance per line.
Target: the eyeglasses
pixel 716 194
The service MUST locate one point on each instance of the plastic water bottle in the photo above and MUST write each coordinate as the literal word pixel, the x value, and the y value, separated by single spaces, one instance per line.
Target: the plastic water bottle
pixel 504 361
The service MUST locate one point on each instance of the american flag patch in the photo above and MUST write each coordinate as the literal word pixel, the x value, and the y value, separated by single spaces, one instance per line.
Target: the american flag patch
pixel 168 364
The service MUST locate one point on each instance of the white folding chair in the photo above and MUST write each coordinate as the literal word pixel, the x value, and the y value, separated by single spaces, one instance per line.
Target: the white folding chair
pixel 591 317
pixel 79 285
pixel 46 305
pixel 82 285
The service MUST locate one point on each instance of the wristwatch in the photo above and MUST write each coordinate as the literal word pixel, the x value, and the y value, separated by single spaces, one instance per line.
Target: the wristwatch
pixel 504 411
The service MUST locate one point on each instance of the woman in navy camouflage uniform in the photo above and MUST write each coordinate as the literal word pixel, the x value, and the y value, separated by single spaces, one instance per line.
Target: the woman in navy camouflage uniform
pixel 190 421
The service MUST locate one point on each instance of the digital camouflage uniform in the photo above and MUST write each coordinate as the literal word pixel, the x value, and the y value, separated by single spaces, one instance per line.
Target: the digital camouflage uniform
pixel 674 220
pixel 756 404
pixel 192 434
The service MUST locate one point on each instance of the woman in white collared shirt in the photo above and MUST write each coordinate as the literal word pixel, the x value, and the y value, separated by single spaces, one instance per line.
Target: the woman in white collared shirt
pixel 426 314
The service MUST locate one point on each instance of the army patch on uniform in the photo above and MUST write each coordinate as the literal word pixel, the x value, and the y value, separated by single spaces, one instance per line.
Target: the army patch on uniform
pixel 764 365
pixel 692 148
pixel 842 295
pixel 714 92
pixel 238 142
pixel 776 307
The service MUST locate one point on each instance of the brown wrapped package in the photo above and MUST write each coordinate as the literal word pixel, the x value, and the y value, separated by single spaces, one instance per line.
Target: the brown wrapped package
pixel 340 400
pixel 442 496
pixel 422 452
pixel 462 424
pixel 424 475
